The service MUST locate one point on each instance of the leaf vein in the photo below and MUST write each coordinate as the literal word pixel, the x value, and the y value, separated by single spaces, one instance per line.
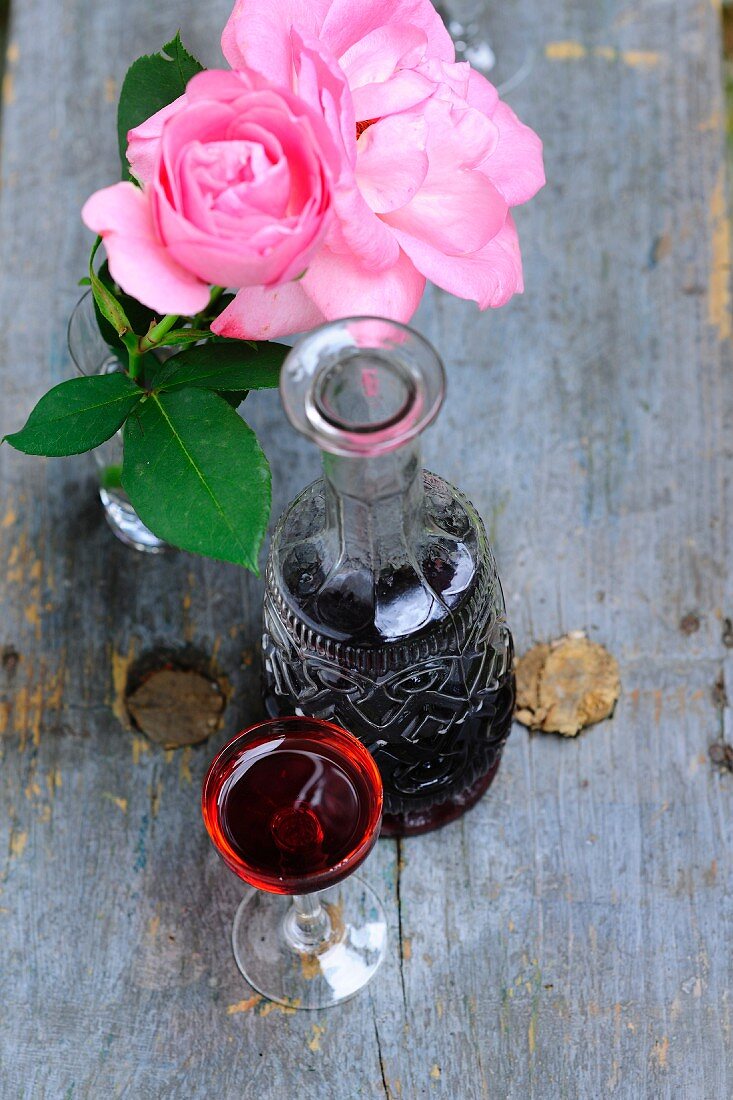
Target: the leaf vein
pixel 86 409
pixel 199 473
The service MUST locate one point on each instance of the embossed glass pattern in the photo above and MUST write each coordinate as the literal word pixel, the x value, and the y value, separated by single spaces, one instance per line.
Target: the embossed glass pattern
pixel 383 607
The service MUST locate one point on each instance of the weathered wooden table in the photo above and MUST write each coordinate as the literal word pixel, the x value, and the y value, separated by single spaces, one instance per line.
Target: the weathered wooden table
pixel 571 937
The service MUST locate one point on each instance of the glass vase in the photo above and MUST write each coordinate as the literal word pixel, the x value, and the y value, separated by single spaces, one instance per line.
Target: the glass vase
pixel 92 355
pixel 383 607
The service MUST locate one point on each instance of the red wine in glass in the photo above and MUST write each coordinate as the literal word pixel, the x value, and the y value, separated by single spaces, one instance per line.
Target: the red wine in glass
pixel 293 806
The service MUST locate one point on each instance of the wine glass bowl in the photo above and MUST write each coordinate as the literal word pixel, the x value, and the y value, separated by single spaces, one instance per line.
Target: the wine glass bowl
pixel 293 806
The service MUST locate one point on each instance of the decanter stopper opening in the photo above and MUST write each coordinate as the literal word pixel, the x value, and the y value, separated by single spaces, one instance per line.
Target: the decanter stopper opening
pixel 362 386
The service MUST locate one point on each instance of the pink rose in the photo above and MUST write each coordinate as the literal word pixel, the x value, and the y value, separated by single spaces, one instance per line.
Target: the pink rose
pixel 236 191
pixel 431 161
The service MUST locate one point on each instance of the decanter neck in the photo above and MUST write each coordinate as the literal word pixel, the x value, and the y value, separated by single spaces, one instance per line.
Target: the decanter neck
pixel 375 504
pixel 364 388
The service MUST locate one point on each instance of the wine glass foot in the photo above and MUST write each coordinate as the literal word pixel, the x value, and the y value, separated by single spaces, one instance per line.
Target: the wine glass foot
pixel 343 965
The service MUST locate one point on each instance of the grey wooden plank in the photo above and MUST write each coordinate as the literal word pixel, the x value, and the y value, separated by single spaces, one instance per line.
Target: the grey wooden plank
pixel 569 938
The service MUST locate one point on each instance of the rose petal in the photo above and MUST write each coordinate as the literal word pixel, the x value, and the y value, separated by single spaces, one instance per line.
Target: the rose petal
pixel 321 83
pixel 489 276
pixel 137 260
pixel 275 252
pixel 348 21
pixel 481 93
pixel 201 121
pixel 458 136
pixel 392 162
pixel 143 141
pixel 457 220
pixel 457 209
pixel 403 90
pixel 258 34
pixel 450 78
pixel 220 85
pixel 358 230
pixel 515 166
pixel 375 58
pixel 262 313
pixel 340 287
pixel 213 204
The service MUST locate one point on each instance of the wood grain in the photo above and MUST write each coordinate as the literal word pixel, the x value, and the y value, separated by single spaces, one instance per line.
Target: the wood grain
pixel 571 936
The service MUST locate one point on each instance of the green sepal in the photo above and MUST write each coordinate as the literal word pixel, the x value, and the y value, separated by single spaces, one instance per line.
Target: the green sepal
pixel 183 336
pixel 106 304
pixel 139 316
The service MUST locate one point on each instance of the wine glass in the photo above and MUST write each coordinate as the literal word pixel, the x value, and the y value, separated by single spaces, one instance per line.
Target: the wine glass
pixel 293 806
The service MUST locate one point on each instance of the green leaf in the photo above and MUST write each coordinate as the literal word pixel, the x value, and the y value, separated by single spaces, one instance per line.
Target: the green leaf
pixel 232 365
pixel 234 397
pixel 151 83
pixel 196 476
pixel 77 415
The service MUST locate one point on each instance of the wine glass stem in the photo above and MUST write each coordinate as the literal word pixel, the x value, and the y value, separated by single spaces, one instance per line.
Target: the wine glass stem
pixel 307 925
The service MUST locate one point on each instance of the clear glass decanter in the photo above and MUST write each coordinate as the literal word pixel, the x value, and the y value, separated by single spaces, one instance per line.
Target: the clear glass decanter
pixel 383 608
